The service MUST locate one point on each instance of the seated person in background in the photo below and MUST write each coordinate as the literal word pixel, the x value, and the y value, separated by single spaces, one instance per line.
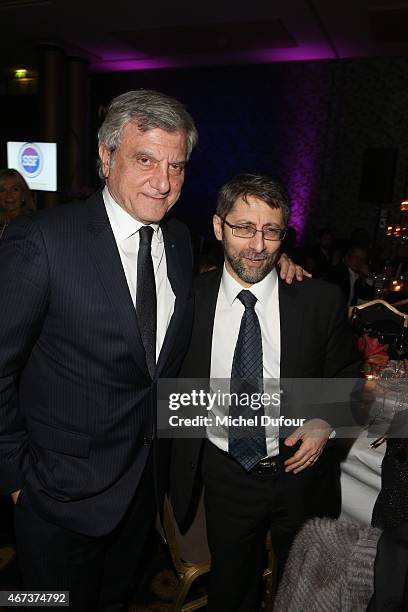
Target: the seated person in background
pixel 353 276
pixel 15 197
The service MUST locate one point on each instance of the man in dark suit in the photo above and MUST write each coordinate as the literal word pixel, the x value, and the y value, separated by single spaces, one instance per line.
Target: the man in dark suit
pixel 353 276
pixel 252 329
pixel 96 305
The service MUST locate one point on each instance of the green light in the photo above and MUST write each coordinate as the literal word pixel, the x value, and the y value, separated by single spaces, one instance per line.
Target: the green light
pixel 20 73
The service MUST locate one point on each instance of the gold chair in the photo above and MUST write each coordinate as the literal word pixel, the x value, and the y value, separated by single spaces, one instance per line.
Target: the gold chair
pixel 377 310
pixel 189 571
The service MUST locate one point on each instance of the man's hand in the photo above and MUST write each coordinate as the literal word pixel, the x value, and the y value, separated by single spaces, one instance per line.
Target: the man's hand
pixel 288 269
pixel 314 435
pixel 14 495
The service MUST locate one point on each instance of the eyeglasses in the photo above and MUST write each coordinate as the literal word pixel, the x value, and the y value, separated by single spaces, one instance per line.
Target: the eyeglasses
pixel 247 231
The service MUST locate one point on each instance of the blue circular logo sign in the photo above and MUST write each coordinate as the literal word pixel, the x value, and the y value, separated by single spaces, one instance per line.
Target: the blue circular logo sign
pixel 30 160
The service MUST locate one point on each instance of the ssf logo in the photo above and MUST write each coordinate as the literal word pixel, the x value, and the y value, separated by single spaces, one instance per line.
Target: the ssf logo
pixel 30 160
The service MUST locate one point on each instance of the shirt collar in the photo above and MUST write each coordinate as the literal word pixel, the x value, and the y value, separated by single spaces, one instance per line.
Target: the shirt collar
pixel 262 290
pixel 122 223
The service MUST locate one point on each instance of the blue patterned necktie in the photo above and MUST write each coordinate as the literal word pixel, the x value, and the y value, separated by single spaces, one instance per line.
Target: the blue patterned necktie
pixel 146 302
pixel 247 444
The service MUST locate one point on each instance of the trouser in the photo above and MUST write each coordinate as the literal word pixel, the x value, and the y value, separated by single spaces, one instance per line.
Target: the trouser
pixel 98 572
pixel 241 508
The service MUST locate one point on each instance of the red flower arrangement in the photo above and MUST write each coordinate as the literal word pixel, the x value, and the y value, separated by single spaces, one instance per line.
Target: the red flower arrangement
pixel 374 353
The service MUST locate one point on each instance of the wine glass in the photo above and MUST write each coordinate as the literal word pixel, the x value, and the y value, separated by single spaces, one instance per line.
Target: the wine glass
pixel 400 348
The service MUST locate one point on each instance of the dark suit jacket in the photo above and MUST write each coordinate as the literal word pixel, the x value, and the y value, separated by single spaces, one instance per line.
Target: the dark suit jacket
pixel 77 404
pixel 316 342
pixel 391 571
pixel 340 275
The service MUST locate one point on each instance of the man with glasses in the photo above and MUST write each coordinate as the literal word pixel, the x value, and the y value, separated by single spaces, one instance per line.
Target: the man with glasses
pixel 250 331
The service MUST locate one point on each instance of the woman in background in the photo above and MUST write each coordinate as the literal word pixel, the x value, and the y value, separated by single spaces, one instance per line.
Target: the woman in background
pixel 15 197
pixel 15 200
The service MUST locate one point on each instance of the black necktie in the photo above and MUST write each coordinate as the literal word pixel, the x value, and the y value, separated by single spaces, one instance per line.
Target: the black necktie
pixel 146 303
pixel 247 444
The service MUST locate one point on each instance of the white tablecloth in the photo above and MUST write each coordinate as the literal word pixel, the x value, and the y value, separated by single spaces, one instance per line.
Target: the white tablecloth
pixel 361 480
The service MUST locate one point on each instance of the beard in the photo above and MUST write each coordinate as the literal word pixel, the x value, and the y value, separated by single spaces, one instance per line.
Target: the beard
pixel 249 275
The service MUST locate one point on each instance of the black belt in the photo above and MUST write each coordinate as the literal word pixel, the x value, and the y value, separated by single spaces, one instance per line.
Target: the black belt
pixel 270 465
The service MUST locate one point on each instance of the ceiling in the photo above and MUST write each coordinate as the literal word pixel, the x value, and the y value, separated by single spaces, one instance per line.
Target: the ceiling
pixel 130 35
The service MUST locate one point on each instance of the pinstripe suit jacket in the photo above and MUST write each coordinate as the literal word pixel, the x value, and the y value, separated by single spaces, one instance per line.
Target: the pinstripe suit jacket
pixel 77 404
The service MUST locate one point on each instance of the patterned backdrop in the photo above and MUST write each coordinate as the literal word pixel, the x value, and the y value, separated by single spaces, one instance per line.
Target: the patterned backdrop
pixel 306 123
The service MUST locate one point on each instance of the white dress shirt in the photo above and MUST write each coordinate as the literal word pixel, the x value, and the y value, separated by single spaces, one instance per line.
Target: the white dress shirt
pixel 353 277
pixel 227 321
pixel 126 232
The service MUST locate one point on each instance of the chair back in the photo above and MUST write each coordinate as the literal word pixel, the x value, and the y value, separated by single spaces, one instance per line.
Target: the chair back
pixel 375 312
pixel 191 547
pixel 189 554
pixel 378 310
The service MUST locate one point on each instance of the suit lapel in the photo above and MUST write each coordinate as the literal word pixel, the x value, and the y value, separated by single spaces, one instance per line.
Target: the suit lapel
pixel 291 322
pixel 206 302
pixel 105 256
pixel 181 288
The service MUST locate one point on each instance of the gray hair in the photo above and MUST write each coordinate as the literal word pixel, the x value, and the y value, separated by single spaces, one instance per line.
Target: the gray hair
pixel 257 185
pixel 149 109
